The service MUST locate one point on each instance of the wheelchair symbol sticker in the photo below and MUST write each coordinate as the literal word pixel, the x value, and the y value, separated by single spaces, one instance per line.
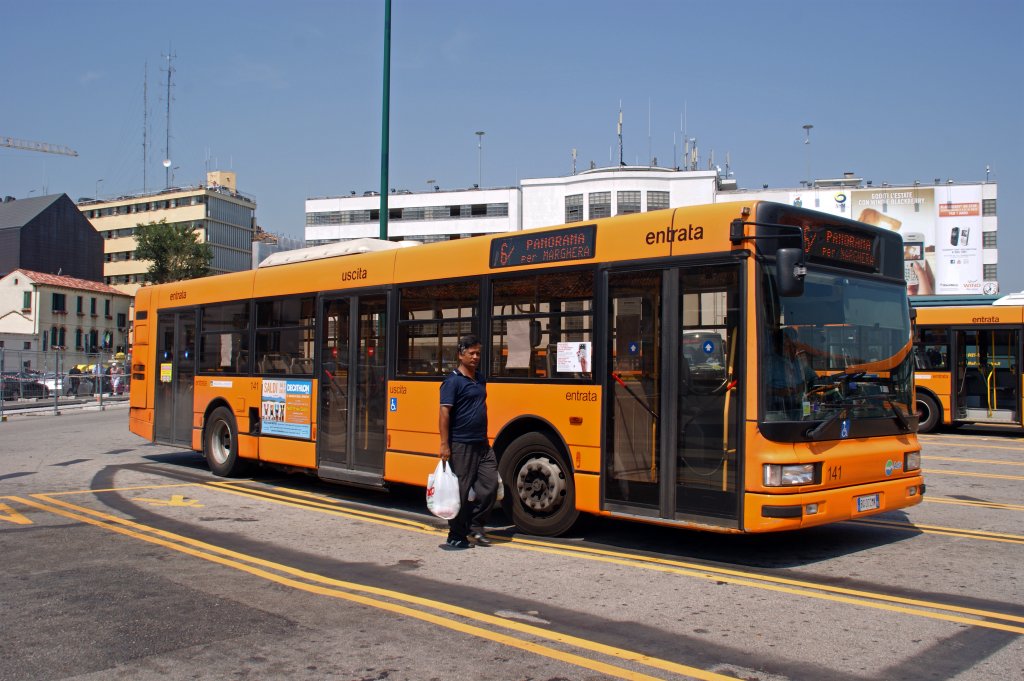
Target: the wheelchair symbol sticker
pixel 394 404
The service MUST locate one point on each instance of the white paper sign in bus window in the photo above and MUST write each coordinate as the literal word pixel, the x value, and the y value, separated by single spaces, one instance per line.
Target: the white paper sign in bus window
pixel 287 408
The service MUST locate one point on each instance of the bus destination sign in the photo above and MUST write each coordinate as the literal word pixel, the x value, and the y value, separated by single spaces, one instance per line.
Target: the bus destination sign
pixel 842 246
pixel 574 243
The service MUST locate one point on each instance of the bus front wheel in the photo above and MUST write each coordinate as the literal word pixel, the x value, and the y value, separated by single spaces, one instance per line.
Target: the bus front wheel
pixel 927 413
pixel 541 497
pixel 220 443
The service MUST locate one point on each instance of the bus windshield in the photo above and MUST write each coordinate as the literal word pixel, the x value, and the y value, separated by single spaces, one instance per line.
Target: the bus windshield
pixel 839 352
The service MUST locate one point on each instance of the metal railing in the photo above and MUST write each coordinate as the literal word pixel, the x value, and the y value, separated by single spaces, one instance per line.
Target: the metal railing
pixel 34 378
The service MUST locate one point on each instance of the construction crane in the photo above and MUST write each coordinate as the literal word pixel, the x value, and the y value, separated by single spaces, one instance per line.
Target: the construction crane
pixel 28 145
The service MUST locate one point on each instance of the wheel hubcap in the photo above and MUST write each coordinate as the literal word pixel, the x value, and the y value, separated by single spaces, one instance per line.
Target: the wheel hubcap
pixel 540 484
pixel 220 442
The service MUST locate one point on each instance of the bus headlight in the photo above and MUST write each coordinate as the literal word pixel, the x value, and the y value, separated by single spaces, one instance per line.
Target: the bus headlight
pixel 911 461
pixel 778 475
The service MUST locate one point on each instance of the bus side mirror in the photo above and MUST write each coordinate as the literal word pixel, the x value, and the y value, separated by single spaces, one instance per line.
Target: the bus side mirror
pixel 791 271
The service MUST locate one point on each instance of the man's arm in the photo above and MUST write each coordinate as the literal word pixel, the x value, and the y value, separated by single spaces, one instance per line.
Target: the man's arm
pixel 443 420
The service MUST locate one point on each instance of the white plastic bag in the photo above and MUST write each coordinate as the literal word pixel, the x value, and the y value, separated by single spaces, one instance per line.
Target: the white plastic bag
pixel 443 492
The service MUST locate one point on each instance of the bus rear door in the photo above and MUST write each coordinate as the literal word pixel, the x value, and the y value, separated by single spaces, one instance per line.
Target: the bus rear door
pixel 986 379
pixel 176 371
pixel 351 435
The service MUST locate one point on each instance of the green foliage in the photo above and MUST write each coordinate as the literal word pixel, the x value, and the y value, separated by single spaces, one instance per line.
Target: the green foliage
pixel 175 252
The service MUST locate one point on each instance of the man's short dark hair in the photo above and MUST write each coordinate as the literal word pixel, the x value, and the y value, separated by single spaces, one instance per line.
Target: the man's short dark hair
pixel 466 342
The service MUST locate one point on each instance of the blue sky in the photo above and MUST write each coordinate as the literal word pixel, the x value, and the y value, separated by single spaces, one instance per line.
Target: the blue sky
pixel 288 94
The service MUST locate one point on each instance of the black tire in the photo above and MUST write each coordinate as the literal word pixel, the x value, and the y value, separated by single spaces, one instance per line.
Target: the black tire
pixel 220 443
pixel 929 415
pixel 540 494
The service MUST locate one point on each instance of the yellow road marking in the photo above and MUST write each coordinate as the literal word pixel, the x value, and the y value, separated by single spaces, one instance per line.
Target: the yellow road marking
pixel 175 500
pixel 981 504
pixel 10 515
pixel 973 445
pixel 968 474
pixel 791 586
pixel 233 559
pixel 996 462
pixel 950 531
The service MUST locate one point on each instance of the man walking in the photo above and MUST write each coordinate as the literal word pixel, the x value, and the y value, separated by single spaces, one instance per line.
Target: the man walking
pixel 464 445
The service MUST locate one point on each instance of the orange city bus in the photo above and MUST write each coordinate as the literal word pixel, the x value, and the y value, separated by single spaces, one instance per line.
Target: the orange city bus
pixel 967 363
pixel 638 366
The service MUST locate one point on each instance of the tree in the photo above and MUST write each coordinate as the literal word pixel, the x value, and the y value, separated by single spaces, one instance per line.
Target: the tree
pixel 175 252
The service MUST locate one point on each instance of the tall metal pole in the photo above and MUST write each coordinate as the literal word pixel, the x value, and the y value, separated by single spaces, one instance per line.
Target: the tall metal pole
pixel 385 124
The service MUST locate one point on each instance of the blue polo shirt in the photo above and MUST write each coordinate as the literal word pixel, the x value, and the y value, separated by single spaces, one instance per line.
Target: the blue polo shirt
pixel 468 401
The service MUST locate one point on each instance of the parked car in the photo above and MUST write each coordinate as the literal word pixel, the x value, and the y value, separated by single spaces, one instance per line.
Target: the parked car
pixel 15 385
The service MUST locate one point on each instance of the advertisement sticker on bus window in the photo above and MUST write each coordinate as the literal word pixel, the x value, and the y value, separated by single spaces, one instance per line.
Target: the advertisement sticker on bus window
pixel 286 408
pixel 573 357
pixel 165 372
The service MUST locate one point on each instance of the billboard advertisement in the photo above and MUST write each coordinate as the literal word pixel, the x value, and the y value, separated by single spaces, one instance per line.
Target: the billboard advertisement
pixel 940 226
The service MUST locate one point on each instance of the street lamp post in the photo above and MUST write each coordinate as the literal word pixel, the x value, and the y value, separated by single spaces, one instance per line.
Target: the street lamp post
pixel 97 194
pixel 480 157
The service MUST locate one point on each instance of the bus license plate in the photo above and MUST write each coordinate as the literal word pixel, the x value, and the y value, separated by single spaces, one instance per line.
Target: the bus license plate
pixel 867 503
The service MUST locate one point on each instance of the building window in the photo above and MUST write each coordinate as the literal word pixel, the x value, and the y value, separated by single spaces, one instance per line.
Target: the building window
pixel 600 205
pixel 657 200
pixel 627 202
pixel 92 307
pixel 106 309
pixel 574 208
pixel 988 239
pixel 26 301
pixel 989 273
pixel 122 320
pixel 27 345
pixel 59 303
pixel 988 207
pixel 79 309
pixel 78 339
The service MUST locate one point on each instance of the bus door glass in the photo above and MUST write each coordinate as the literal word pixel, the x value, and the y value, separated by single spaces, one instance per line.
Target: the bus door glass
pixel 351 436
pixel 706 428
pixel 632 466
pixel 672 403
pixel 176 369
pixel 986 383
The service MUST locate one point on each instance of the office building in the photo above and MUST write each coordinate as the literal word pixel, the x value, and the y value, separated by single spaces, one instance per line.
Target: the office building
pixel 222 216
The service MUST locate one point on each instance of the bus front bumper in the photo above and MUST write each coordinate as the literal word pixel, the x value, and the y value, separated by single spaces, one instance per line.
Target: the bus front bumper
pixel 774 512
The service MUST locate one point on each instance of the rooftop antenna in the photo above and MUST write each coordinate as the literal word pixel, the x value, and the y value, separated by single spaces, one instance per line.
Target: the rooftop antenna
pixel 621 162
pixel 145 125
pixel 650 153
pixel 574 161
pixel 167 144
pixel 807 142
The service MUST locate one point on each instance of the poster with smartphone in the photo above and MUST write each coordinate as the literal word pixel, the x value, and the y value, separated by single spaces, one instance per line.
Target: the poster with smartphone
pixel 958 235
pixel 941 228
pixel 911 212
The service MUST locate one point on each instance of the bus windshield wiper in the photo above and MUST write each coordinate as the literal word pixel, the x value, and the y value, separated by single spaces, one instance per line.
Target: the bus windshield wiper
pixel 817 430
pixel 842 409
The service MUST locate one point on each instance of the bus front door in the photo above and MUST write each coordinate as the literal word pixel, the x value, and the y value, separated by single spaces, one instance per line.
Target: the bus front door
pixel 351 435
pixel 672 402
pixel 986 379
pixel 176 363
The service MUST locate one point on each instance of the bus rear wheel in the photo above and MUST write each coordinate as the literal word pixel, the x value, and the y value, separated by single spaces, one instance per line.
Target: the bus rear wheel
pixel 541 497
pixel 927 413
pixel 220 443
